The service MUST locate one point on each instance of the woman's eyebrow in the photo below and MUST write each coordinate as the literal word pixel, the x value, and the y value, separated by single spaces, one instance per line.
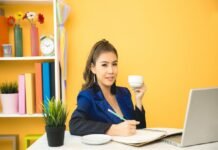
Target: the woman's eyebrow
pixel 109 62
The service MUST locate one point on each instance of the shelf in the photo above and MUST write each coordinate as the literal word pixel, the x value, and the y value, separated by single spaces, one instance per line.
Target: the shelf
pixel 29 58
pixel 20 116
pixel 26 63
pixel 26 2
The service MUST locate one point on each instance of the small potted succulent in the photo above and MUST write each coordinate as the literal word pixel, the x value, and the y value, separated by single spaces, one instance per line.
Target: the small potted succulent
pixel 9 97
pixel 55 116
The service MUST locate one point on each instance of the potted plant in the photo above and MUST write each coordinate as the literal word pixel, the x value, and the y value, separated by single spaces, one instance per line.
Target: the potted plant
pixel 9 97
pixel 55 116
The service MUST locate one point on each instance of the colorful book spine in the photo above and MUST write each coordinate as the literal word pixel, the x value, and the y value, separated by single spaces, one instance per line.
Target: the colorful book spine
pixel 52 75
pixel 4 34
pixel 38 85
pixel 21 95
pixel 46 83
pixel 30 93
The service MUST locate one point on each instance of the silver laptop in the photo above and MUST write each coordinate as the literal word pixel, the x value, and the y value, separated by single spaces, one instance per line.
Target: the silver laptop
pixel 201 121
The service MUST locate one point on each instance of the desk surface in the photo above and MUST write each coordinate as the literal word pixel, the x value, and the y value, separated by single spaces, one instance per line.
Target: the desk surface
pixel 74 142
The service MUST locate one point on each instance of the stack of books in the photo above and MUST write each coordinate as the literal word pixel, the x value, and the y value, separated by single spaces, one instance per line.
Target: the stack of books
pixel 36 89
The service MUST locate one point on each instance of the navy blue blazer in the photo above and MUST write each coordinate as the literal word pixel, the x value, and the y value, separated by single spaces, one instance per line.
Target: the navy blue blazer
pixel 91 115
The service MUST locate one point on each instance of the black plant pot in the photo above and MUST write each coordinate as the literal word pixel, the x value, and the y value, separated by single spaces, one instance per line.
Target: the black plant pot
pixel 55 135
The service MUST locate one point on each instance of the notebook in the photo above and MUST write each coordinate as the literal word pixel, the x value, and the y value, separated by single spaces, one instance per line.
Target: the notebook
pixel 145 136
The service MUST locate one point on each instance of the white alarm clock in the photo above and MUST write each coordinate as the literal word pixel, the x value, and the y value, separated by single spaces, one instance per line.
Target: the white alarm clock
pixel 47 45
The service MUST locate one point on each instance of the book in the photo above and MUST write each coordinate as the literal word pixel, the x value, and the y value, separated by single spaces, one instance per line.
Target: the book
pixel 146 136
pixel 38 85
pixel 52 75
pixel 21 94
pixel 4 34
pixel 46 85
pixel 30 93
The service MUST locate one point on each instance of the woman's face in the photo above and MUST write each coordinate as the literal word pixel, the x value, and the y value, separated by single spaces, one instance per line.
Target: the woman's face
pixel 106 68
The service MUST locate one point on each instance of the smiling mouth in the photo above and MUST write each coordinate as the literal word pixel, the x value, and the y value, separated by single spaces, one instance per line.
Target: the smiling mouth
pixel 110 78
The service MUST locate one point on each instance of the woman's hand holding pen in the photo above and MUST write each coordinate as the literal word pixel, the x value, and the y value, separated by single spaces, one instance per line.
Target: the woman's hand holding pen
pixel 125 128
pixel 139 93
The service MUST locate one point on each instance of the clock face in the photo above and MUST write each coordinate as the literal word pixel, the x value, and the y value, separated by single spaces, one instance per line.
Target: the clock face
pixel 47 46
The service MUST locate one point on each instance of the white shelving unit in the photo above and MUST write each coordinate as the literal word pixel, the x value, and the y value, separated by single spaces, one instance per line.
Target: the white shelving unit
pixel 20 115
pixel 36 58
pixel 15 2
pixel 27 58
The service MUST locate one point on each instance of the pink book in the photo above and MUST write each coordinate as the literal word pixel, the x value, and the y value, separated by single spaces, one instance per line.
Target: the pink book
pixel 21 94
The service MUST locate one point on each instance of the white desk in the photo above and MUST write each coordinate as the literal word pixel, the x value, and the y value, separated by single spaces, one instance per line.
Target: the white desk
pixel 74 142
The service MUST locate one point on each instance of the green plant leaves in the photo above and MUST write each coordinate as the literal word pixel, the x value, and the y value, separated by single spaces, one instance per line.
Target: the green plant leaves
pixel 55 114
pixel 10 87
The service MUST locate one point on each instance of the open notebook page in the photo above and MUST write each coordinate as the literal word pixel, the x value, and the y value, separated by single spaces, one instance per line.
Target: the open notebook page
pixel 141 136
pixel 169 131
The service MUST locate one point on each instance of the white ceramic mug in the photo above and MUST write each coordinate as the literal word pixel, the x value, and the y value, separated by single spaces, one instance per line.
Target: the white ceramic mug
pixel 135 81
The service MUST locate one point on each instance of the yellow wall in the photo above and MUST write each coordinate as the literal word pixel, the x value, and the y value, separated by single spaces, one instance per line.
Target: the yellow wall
pixel 171 43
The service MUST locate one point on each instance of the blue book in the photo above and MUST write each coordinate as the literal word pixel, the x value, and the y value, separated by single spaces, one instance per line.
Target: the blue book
pixel 46 80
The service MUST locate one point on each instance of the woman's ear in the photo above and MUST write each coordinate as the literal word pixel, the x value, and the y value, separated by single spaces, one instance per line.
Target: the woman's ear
pixel 93 68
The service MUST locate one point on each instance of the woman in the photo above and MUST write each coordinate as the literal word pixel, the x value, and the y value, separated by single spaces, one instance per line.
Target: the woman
pixel 100 93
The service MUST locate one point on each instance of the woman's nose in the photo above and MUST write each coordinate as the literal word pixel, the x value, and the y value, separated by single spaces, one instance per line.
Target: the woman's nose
pixel 110 69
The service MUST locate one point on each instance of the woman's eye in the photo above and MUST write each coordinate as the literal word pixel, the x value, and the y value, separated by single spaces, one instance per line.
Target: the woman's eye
pixel 115 64
pixel 104 65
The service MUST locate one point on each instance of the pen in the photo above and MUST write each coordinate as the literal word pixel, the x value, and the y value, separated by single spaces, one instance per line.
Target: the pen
pixel 115 114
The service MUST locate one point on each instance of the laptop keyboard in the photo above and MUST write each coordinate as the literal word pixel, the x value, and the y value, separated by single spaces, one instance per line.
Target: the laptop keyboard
pixel 175 139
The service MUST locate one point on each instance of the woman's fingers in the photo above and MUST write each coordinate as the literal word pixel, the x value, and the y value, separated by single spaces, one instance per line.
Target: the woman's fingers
pixel 133 122
pixel 132 126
